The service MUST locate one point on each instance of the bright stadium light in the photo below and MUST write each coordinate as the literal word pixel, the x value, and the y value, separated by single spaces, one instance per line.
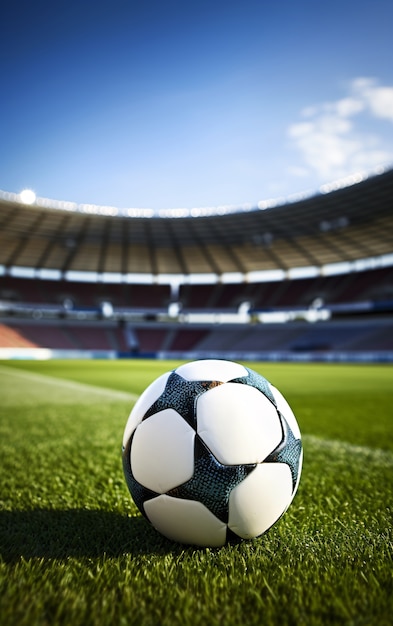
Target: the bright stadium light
pixel 27 196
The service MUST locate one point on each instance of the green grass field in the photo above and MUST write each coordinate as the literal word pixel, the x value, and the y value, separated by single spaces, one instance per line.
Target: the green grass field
pixel 75 551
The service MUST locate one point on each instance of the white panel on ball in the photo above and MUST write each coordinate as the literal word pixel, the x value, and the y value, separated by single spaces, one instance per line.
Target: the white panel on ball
pixel 288 414
pixel 238 423
pixel 286 410
pixel 211 369
pixel 186 521
pixel 257 502
pixel 162 452
pixel 144 402
pixel 299 473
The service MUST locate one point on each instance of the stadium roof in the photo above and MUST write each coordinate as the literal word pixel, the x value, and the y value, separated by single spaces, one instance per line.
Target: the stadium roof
pixel 328 230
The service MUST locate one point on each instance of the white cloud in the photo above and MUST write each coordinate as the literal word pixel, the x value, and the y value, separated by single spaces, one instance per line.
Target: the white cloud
pixel 331 143
pixel 348 107
pixel 379 100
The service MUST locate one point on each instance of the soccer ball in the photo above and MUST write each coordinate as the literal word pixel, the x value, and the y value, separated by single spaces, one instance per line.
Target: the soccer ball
pixel 212 452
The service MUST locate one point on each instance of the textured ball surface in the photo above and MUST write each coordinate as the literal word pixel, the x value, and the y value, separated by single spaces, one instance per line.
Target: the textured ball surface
pixel 212 451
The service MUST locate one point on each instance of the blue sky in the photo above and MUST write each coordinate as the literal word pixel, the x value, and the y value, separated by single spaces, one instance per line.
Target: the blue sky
pixel 168 104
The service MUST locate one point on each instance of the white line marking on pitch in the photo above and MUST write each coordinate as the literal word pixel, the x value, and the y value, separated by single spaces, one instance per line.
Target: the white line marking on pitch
pixel 68 384
pixel 342 448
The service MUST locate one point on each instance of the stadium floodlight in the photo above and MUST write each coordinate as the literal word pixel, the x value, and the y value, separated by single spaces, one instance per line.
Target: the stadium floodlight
pixel 27 196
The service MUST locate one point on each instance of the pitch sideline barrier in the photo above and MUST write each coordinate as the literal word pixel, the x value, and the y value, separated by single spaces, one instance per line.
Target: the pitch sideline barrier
pixel 41 354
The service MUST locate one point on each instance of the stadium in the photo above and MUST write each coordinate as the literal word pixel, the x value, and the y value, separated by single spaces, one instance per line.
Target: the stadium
pixel 303 279
pixel 96 303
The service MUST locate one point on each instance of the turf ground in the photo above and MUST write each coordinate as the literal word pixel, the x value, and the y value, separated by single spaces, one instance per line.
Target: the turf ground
pixel 75 551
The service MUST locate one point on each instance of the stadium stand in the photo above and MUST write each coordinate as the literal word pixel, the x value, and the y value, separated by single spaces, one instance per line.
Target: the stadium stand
pixel 72 279
pixel 298 338
pixel 375 285
pixel 12 338
pixel 352 223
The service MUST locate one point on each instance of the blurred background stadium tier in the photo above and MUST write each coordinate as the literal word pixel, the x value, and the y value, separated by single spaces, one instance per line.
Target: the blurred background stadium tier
pixel 312 277
pixel 341 226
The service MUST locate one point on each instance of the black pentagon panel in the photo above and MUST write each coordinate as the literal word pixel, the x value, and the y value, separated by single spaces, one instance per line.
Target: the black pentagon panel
pixel 258 382
pixel 232 537
pixel 181 395
pixel 139 493
pixel 288 451
pixel 212 482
